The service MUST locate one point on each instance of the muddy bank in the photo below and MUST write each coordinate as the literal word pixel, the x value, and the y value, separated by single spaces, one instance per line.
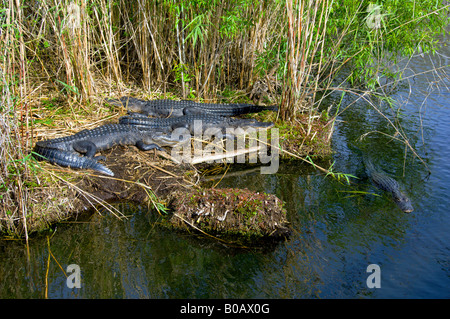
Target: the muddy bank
pixel 136 173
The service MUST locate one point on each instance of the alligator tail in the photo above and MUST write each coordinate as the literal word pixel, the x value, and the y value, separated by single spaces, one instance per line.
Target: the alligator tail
pixel 248 108
pixel 69 159
pixel 127 102
pixel 270 108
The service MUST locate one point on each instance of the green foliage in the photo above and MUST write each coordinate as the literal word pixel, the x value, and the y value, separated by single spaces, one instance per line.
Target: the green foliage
pixel 156 203
pixel 68 88
pixel 228 44
pixel 271 58
pixel 338 175
pixel 180 69
pixel 198 29
pixel 373 35
pixel 367 36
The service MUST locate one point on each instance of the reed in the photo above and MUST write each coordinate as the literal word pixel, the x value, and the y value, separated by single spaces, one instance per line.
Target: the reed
pixel 14 127
pixel 201 49
pixel 307 22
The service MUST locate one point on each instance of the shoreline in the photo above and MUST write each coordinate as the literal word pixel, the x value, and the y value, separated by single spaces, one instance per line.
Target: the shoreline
pixel 56 194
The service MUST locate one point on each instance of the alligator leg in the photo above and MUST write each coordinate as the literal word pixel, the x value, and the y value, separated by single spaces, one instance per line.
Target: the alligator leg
pixel 193 111
pixel 146 147
pixel 135 114
pixel 87 148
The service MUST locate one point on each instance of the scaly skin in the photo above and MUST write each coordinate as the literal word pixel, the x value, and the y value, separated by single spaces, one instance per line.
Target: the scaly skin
pixel 172 108
pixel 206 121
pixel 63 151
pixel 69 159
pixel 388 184
pixel 106 136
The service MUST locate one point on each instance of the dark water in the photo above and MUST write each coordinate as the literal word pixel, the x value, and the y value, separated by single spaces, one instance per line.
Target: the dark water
pixel 338 232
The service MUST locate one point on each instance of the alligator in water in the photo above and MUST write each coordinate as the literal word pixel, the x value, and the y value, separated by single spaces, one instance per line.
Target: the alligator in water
pixel 207 121
pixel 388 184
pixel 64 150
pixel 172 108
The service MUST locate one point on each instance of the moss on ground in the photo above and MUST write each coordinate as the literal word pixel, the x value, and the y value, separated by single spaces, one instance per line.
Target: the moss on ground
pixel 229 213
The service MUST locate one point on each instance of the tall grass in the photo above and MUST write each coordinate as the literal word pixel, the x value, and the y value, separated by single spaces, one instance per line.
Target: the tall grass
pixel 203 48
pixel 13 135
pixel 307 22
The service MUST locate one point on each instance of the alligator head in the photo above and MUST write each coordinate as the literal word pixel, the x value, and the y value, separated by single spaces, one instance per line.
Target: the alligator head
pixel 402 201
pixel 171 139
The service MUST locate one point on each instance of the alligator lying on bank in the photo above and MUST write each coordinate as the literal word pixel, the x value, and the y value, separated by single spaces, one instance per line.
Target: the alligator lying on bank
pixel 388 184
pixel 64 150
pixel 171 108
pixel 204 121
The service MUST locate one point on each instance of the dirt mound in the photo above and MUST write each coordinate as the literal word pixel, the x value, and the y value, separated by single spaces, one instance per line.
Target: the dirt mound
pixel 230 212
pixel 136 173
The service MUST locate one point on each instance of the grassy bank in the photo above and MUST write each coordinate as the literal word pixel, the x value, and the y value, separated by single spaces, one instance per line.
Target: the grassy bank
pixel 59 59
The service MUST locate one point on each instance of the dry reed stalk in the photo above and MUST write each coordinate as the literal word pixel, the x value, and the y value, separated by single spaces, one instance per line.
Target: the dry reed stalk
pixel 109 41
pixel 306 27
pixel 15 114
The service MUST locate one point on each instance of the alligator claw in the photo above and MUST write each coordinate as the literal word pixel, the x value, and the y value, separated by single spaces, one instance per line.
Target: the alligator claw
pixel 100 158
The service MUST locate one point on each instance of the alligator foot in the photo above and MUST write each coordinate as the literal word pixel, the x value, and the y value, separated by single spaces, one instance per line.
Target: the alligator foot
pixel 147 147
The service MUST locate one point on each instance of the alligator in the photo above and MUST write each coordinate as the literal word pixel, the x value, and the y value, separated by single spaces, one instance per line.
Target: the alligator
pixel 172 108
pixel 207 121
pixel 386 183
pixel 64 150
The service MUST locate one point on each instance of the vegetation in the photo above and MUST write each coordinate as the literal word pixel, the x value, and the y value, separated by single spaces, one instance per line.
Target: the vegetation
pixel 285 52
